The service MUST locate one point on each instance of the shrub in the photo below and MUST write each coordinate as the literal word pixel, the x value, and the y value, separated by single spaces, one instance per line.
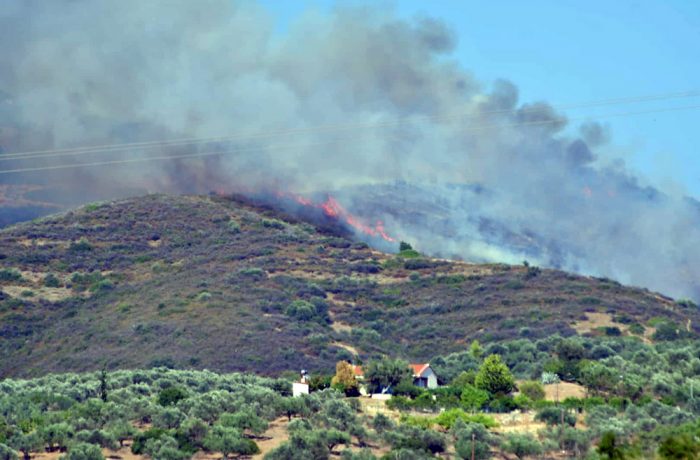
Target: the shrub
pixel 273 223
pixel 233 226
pixel 52 281
pixel 472 398
pixel 555 416
pixel 171 396
pixel 82 245
pixel 10 274
pixel 532 389
pixel 687 303
pixel 6 453
pixel 608 447
pixel 522 445
pixel 418 264
pixel 448 418
pixel 228 441
pixel 472 438
pixel 83 451
pixel 417 439
pixel 667 330
pixel 678 446
pixel 139 445
pixel 407 388
pixel 301 310
pixel 403 246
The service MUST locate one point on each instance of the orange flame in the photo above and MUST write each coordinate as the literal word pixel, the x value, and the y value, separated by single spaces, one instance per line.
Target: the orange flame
pixel 333 209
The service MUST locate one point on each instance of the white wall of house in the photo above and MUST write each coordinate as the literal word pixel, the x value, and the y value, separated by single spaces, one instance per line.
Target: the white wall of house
pixel 431 378
pixel 299 389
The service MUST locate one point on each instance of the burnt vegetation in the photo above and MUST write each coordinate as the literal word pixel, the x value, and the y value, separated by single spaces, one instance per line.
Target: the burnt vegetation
pixel 225 284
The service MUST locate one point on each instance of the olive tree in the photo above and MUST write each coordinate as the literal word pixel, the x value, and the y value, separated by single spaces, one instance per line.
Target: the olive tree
pixel 83 451
pixel 521 445
pixel 6 453
pixel 228 441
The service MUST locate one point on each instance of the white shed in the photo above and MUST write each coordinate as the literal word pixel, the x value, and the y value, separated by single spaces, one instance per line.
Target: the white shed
pixel 424 376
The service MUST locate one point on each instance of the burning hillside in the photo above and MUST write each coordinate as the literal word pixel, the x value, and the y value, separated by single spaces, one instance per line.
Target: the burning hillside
pixel 363 107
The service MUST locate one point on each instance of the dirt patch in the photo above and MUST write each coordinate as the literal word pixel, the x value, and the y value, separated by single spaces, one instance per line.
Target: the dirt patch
pixel 27 242
pixel 561 391
pixel 593 321
pixel 517 422
pixel 331 296
pixel 304 274
pixel 596 320
pixel 345 346
pixel 337 326
pixel 275 435
pixel 45 293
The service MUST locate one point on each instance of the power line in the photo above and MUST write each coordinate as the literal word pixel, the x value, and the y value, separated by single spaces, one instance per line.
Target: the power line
pixel 326 143
pixel 109 148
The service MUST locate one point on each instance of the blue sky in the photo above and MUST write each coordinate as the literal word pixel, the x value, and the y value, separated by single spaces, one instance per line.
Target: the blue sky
pixel 566 52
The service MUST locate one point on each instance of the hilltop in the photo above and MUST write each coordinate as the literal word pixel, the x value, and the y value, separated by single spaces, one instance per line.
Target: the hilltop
pixel 227 284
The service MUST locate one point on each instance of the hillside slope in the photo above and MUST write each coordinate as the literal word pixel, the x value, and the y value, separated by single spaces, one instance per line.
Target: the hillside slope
pixel 215 283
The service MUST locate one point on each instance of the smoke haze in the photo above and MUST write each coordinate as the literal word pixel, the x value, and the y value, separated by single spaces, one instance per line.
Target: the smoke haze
pixel 355 101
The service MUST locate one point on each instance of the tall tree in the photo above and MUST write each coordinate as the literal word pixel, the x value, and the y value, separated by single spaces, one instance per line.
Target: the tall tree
pixel 386 373
pixel 494 376
pixel 344 378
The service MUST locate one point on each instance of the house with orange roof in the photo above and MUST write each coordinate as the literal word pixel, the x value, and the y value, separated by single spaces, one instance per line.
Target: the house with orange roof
pixel 423 375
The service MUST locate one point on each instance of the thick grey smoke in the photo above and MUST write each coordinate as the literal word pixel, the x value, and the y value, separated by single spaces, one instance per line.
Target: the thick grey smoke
pixel 502 179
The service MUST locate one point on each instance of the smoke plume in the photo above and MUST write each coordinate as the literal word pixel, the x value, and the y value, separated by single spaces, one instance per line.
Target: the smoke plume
pixel 356 101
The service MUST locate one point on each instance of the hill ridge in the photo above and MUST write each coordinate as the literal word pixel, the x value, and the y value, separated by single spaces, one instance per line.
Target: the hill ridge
pixel 225 284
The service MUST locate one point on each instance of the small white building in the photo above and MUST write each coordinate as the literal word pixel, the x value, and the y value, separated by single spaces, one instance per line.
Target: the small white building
pixel 424 376
pixel 302 386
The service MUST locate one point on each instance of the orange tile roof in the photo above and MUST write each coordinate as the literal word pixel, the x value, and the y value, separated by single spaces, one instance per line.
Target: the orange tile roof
pixel 418 369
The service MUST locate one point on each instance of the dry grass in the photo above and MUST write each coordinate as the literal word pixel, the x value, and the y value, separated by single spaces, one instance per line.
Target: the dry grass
pixel 347 347
pixel 563 390
pixel 517 422
pixel 45 293
pixel 275 435
pixel 596 320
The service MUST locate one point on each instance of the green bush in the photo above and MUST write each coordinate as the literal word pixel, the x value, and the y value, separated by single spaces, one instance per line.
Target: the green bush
pixel 472 398
pixel 52 281
pixel 139 445
pixel 82 245
pixel 448 418
pixel 555 415
pixel 10 274
pixel 522 445
pixel 532 389
pixel 6 453
pixel 83 451
pixel 301 310
pixel 171 396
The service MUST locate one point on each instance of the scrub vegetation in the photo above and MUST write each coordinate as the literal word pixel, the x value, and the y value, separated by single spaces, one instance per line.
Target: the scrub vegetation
pixel 230 285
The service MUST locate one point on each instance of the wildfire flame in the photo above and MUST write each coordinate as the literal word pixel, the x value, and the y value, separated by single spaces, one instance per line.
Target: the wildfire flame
pixel 332 208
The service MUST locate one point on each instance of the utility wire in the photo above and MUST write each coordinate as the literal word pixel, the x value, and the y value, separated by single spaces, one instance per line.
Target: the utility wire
pixel 326 143
pixel 108 148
